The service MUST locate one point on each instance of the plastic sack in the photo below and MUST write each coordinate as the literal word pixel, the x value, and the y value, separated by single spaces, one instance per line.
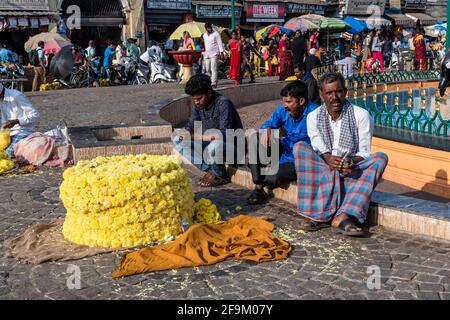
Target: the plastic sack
pixel 60 134
pixel 35 149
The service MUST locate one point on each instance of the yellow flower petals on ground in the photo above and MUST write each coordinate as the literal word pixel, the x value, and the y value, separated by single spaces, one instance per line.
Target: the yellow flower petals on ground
pixel 126 201
pixel 206 212
pixel 6 163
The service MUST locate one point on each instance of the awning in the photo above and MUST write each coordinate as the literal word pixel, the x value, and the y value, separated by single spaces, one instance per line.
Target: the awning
pixel 375 22
pixel 356 24
pixel 102 21
pixel 425 20
pixel 401 20
pixel 441 19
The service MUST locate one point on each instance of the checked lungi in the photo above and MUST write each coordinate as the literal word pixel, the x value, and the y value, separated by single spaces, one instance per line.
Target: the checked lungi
pixel 324 193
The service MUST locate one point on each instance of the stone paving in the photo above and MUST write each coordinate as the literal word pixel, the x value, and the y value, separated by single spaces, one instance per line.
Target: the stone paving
pixel 322 265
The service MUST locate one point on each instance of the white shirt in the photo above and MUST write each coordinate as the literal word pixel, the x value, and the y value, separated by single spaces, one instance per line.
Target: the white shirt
pixel 348 63
pixel 16 105
pixel 365 131
pixel 213 44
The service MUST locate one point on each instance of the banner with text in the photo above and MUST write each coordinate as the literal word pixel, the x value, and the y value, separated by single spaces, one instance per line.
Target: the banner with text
pixel 216 11
pixel 416 4
pixel 305 8
pixel 169 4
pixel 257 12
pixel 365 7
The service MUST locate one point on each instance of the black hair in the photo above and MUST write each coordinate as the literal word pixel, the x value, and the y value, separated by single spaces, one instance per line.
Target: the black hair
pixel 296 89
pixel 331 77
pixel 208 25
pixel 300 66
pixel 41 43
pixel 198 84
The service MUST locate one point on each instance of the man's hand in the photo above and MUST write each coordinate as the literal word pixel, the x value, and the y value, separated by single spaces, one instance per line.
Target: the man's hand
pixel 10 123
pixel 266 138
pixel 333 162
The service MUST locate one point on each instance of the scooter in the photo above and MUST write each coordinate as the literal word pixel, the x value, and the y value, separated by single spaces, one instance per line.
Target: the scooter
pixel 160 72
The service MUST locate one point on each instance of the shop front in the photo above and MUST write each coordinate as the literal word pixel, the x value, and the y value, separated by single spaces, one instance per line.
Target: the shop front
pixel 260 14
pixel 164 16
pixel 295 8
pixel 415 9
pixel 21 19
pixel 100 21
pixel 217 12
pixel 369 11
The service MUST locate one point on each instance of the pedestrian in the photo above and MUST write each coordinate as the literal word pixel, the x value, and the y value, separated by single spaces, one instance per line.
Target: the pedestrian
pixel 133 52
pixel 307 77
pixel 247 62
pixel 235 47
pixel 312 61
pixel 90 52
pixel 285 53
pixel 387 50
pixel 17 114
pixel 347 64
pixel 299 47
pixel 366 51
pixel 377 47
pixel 39 69
pixel 213 51
pixel 420 56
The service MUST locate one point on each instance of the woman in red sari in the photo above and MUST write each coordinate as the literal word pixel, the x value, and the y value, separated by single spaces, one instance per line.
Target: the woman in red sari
pixel 236 58
pixel 285 54
pixel 420 59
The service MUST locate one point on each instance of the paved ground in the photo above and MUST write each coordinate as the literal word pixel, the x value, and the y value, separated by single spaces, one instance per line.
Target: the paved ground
pixel 322 265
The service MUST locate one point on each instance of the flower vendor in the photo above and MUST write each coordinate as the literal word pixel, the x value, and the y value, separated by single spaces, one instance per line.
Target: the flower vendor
pixel 290 116
pixel 205 142
pixel 17 114
pixel 337 173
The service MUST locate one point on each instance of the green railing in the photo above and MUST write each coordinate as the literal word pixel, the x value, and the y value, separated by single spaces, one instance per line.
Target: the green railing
pixel 404 116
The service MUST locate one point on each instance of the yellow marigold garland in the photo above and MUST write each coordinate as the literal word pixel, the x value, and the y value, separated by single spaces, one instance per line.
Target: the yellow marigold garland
pixel 205 212
pixel 126 200
pixel 6 163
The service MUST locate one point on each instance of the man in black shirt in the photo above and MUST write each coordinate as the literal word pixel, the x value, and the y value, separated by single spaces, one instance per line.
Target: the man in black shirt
pixel 205 143
pixel 299 47
pixel 311 82
pixel 312 61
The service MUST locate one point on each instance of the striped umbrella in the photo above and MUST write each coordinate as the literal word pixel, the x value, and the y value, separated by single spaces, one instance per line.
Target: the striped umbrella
pixel 315 18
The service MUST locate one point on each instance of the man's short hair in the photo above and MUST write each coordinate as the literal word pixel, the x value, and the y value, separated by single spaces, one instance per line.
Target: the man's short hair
pixel 208 25
pixel 331 77
pixel 198 84
pixel 300 66
pixel 41 43
pixel 296 89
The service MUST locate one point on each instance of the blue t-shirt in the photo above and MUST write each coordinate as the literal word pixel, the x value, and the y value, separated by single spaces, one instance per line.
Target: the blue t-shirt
pixel 295 129
pixel 109 56
pixel 6 55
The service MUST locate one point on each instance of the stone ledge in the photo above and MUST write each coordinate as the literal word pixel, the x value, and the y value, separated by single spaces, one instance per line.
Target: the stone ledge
pixel 395 212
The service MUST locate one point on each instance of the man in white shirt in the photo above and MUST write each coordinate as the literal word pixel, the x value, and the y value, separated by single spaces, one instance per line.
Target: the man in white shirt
pixel 348 62
pixel 18 114
pixel 213 50
pixel 337 173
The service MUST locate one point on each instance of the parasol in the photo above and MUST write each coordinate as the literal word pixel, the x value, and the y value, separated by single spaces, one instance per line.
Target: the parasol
pixel 61 64
pixel 301 24
pixel 195 29
pixel 32 43
pixel 54 46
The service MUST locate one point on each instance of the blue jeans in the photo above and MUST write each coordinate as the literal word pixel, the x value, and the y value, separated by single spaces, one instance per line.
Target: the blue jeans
pixel 205 155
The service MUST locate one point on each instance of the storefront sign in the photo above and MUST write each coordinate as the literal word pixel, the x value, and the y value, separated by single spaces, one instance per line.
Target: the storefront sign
pixel 217 11
pixel 305 8
pixel 395 4
pixel 416 4
pixel 364 7
pixel 23 5
pixel 169 4
pixel 265 12
pixel 22 21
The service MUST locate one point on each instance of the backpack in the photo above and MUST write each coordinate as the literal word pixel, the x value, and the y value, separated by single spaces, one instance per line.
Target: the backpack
pixel 33 57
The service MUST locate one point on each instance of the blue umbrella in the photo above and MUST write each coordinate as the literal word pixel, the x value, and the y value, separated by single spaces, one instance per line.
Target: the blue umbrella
pixel 356 24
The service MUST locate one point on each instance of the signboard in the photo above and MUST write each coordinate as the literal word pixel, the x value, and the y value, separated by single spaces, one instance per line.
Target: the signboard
pixel 416 4
pixel 216 11
pixel 257 12
pixel 365 7
pixel 24 5
pixel 305 8
pixel 169 4
pixel 395 4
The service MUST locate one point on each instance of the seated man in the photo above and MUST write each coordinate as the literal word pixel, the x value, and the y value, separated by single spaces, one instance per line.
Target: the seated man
pixel 337 173
pixel 206 144
pixel 17 114
pixel 290 116
pixel 347 64
pixel 306 76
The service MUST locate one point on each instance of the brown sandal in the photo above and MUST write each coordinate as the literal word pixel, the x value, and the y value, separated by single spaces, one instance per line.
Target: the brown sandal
pixel 211 180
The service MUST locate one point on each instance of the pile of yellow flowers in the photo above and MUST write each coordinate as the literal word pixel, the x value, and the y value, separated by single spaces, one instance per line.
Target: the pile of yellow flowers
pixel 50 86
pixel 104 82
pixel 205 212
pixel 6 163
pixel 126 201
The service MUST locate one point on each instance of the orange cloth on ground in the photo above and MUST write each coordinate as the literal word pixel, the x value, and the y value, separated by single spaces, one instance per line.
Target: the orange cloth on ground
pixel 241 238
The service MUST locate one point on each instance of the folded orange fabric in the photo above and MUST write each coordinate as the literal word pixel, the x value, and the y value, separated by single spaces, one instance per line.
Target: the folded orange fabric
pixel 242 238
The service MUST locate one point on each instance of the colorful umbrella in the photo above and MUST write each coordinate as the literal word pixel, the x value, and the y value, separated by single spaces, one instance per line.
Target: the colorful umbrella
pixel 195 29
pixel 54 46
pixel 436 30
pixel 32 43
pixel 334 25
pixel 301 24
pixel 270 31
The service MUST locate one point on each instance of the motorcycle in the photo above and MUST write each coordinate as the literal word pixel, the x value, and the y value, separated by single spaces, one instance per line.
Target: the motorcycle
pixel 142 74
pixel 11 71
pixel 160 72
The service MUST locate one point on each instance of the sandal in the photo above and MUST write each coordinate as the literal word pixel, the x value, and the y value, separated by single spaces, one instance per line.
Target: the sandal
pixel 311 225
pixel 257 196
pixel 211 180
pixel 348 228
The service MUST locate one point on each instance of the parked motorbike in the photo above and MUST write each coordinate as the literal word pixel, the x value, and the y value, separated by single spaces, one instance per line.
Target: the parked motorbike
pixel 142 74
pixel 160 72
pixel 11 71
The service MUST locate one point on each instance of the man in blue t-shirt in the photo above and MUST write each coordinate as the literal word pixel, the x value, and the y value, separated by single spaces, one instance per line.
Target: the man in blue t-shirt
pixel 290 116
pixel 109 55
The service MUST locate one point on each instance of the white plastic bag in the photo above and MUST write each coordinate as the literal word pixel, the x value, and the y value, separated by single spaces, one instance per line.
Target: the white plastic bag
pixel 60 134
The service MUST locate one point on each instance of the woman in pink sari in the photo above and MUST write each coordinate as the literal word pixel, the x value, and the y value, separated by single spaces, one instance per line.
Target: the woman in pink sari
pixel 235 46
pixel 285 55
pixel 188 43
